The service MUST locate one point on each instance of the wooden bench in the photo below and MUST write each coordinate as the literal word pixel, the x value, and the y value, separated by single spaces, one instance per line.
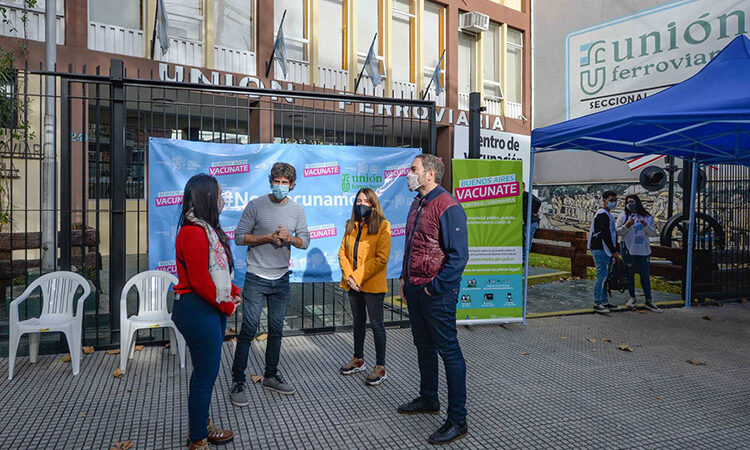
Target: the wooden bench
pixel 574 245
pixel 10 268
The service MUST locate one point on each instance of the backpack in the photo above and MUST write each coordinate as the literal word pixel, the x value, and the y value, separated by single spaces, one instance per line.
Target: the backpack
pixel 617 280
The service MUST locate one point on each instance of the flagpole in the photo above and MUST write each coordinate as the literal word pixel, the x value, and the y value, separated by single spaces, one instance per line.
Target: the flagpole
pixel 273 52
pixel 440 63
pixel 356 85
pixel 153 38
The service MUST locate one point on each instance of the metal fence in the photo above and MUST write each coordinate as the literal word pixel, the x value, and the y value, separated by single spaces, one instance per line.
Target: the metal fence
pixel 104 122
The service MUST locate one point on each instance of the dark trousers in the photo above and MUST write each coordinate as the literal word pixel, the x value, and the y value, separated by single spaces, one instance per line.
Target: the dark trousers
pixel 640 264
pixel 203 326
pixel 256 293
pixel 365 304
pixel 433 326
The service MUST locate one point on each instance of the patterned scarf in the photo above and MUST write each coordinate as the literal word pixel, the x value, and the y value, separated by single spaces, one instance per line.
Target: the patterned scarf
pixel 218 263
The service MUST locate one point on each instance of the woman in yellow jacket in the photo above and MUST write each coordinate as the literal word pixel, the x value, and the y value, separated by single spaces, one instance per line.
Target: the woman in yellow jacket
pixel 363 257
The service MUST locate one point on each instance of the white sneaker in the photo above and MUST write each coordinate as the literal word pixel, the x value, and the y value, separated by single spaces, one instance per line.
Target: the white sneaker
pixel 651 306
pixel 631 303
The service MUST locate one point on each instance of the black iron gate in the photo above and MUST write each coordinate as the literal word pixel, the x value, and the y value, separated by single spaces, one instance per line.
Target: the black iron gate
pixel 104 124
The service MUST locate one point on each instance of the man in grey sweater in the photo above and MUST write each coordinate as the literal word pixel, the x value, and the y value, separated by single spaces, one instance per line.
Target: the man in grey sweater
pixel 269 226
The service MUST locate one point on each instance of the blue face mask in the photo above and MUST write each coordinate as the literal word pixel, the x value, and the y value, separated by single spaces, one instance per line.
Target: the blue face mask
pixel 612 205
pixel 280 191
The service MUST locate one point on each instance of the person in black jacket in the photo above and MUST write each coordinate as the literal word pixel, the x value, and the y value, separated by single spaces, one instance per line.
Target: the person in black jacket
pixel 604 247
pixel 536 204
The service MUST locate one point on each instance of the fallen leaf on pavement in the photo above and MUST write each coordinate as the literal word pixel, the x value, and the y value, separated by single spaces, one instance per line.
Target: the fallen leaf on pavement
pixel 695 362
pixel 233 340
pixel 642 311
pixel 88 350
pixel 113 352
pixel 743 301
pixel 708 317
pixel 625 348
pixel 82 415
pixel 563 337
pixel 524 353
pixel 256 378
pixel 262 337
pixel 660 397
pixel 592 340
pixel 166 345
pixel 118 373
pixel 122 445
pixel 231 331
pixel 65 358
pixel 606 340
pixel 138 348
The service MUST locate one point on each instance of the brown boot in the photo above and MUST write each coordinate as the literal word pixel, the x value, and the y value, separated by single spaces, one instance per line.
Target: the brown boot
pixel 217 436
pixel 200 445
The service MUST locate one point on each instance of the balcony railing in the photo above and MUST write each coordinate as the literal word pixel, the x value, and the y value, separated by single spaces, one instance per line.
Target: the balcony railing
pixel 182 51
pixel 494 105
pixel 12 24
pixel 337 79
pixel 513 110
pixel 463 101
pixel 234 60
pixel 440 100
pixel 297 71
pixel 116 39
pixel 366 87
pixel 404 89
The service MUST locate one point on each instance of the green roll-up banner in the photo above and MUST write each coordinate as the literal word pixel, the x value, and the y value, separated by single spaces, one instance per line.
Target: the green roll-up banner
pixel 492 283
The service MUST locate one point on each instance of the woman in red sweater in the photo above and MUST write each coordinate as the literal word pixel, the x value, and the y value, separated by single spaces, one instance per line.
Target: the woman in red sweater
pixel 205 298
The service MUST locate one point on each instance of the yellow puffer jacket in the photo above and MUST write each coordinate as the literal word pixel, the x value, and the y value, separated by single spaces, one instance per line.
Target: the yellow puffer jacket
pixel 372 258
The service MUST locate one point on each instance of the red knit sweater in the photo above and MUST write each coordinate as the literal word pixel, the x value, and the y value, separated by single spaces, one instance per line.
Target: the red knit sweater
pixel 192 250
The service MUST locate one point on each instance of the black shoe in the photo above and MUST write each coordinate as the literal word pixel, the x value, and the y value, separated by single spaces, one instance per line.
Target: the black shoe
pixel 600 308
pixel 419 406
pixel 448 433
pixel 611 307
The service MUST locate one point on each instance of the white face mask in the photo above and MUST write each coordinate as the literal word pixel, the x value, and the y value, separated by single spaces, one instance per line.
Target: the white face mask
pixel 412 181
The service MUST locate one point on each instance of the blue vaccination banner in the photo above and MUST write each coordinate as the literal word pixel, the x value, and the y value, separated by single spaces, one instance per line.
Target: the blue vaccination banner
pixel 328 178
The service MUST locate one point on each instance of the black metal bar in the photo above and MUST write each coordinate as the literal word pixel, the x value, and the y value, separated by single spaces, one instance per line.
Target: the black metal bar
pixel 66 176
pixel 475 119
pixel 433 130
pixel 117 214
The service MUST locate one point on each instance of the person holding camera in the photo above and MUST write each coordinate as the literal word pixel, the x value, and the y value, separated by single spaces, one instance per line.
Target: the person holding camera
pixel 635 226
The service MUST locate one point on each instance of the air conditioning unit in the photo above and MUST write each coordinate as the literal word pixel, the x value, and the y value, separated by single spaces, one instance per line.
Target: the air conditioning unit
pixel 473 22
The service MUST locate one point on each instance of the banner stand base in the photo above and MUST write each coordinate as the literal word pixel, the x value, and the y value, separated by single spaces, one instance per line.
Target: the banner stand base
pixel 489 321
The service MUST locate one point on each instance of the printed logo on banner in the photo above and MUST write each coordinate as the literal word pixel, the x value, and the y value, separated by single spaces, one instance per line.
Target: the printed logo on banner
pixel 322 231
pixel 321 169
pixel 398 230
pixel 167 266
pixel 168 198
pixel 395 172
pixel 228 168
pixel 356 182
pixel 477 192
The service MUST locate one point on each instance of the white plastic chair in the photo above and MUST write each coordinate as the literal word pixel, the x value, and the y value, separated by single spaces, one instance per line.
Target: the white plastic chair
pixel 153 287
pixel 58 296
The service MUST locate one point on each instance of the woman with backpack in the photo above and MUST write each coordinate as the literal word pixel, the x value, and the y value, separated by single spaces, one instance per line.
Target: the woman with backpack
pixel 635 226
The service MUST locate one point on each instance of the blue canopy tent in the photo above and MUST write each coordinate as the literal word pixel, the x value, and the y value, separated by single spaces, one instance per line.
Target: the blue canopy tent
pixel 705 120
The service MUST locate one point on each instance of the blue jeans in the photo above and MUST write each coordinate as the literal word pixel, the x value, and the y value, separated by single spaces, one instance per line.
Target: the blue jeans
pixel 602 262
pixel 203 326
pixel 527 242
pixel 255 294
pixel 364 304
pixel 640 264
pixel 433 326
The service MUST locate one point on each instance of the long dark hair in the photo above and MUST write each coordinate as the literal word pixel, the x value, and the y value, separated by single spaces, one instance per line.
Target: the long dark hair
pixel 639 209
pixel 376 216
pixel 202 197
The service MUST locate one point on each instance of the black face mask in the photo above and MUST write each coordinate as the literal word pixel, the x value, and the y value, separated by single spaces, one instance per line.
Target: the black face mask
pixel 362 211
pixel 632 207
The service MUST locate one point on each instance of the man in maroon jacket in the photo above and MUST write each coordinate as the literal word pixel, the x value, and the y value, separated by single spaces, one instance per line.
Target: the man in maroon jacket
pixel 437 250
